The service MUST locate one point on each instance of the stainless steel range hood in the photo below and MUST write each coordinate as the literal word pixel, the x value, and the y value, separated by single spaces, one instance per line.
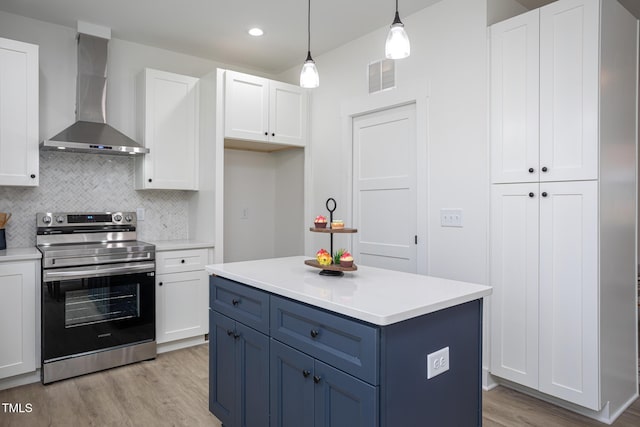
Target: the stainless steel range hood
pixel 90 133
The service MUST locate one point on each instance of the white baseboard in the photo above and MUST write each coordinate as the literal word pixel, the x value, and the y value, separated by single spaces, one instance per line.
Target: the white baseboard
pixel 488 382
pixel 604 415
pixel 184 343
pixel 18 380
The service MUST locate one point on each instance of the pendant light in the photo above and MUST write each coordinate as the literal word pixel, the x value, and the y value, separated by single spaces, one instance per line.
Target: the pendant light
pixel 309 77
pixel 397 46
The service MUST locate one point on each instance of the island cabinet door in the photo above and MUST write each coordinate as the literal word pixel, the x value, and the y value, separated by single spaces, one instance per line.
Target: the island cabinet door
pixel 222 369
pixel 292 387
pixel 239 386
pixel 342 400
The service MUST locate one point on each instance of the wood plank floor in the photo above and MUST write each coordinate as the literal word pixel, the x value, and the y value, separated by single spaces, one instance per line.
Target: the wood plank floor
pixel 173 391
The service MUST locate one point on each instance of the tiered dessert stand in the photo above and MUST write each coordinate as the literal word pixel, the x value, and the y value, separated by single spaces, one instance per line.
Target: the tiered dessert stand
pixel 332 269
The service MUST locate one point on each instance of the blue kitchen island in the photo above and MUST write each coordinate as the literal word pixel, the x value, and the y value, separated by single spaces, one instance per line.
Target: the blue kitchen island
pixel 289 347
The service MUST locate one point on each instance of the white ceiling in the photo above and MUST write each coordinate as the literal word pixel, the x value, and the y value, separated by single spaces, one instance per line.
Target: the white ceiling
pixel 217 29
pixel 632 5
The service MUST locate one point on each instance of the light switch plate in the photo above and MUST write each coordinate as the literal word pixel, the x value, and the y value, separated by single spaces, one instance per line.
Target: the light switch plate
pixel 437 362
pixel 451 217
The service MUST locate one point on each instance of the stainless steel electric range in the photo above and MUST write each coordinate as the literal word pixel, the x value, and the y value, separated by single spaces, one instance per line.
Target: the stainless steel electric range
pixel 98 293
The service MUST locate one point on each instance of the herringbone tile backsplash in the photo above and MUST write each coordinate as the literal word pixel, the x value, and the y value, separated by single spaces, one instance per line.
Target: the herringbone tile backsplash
pixel 72 182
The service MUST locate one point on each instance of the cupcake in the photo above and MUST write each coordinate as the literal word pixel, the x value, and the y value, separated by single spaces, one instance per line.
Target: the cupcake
pixel 323 257
pixel 338 223
pixel 320 222
pixel 346 260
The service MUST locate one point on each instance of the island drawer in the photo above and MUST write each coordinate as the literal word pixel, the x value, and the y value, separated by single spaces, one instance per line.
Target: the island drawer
pixel 343 343
pixel 242 303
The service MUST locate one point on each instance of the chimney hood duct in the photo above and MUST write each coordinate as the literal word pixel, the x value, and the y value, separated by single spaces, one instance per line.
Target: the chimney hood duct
pixel 90 133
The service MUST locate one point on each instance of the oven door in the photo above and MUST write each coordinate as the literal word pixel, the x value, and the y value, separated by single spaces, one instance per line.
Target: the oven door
pixel 91 308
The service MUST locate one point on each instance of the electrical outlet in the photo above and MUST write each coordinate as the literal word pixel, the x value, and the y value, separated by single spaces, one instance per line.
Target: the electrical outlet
pixel 140 214
pixel 437 362
pixel 451 217
pixel 245 213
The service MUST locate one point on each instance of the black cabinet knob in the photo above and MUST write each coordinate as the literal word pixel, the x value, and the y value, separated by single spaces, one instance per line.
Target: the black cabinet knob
pixel 273 134
pixel 229 332
pixel 544 194
pixel 266 134
pixel 150 180
pixel 314 333
pixel 316 379
pixel 531 170
pixel 235 301
pixel 160 284
pixel 33 175
pixel 544 169
pixel 531 194
pixel 306 373
pixel 236 335
pixel 182 262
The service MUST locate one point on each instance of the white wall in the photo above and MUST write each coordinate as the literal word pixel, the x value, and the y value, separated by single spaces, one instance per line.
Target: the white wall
pixel 448 53
pixel 270 186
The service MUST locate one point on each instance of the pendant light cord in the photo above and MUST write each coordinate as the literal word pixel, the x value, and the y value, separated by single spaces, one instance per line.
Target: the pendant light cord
pixel 309 29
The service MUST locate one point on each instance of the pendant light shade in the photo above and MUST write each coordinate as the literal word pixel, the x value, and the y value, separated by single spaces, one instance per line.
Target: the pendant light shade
pixel 309 77
pixel 397 45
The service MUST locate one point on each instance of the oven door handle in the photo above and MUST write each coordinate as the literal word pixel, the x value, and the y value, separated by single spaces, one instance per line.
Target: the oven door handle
pixel 97 271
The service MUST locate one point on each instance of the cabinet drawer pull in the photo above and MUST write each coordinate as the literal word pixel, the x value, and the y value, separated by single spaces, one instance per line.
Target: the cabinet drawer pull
pixel 314 333
pixel 306 373
pixel 316 379
pixel 235 301
pixel 531 194
pixel 33 175
pixel 160 284
pixel 182 262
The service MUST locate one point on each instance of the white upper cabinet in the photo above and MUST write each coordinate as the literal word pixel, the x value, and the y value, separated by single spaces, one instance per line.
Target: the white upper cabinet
pixel 168 124
pixel 544 94
pixel 514 99
pixel 569 86
pixel 19 157
pixel 258 109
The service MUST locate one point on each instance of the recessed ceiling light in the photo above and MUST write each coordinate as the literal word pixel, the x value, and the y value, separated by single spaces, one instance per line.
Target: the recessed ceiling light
pixel 256 32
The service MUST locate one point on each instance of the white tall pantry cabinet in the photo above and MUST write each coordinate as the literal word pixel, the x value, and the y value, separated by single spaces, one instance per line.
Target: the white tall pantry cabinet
pixel 563 155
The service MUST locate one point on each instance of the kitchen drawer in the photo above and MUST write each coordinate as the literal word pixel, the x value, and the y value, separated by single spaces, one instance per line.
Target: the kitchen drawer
pixel 179 261
pixel 343 343
pixel 239 302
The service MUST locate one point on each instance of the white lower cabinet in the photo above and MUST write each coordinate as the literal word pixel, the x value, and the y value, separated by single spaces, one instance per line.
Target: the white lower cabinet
pixel 182 294
pixel 18 307
pixel 544 246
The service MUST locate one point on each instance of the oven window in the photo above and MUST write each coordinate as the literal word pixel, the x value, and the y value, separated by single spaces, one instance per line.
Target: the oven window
pixel 96 304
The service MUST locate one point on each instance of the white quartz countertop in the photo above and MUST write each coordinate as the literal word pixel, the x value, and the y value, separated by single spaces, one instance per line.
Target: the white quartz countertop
pixel 373 295
pixel 19 254
pixel 179 245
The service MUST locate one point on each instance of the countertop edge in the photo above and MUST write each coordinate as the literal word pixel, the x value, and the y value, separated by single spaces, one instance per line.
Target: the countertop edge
pixel 350 312
pixel 178 245
pixel 20 254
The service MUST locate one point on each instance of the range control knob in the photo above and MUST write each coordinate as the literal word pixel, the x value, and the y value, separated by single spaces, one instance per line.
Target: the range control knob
pixel 117 217
pixel 128 218
pixel 59 219
pixel 46 219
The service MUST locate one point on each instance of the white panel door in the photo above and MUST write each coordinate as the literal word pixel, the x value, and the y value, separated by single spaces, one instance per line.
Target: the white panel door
pixel 246 113
pixel 384 174
pixel 569 356
pixel 19 157
pixel 172 133
pixel 515 99
pixel 18 318
pixel 569 82
pixel 514 277
pixel 287 114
